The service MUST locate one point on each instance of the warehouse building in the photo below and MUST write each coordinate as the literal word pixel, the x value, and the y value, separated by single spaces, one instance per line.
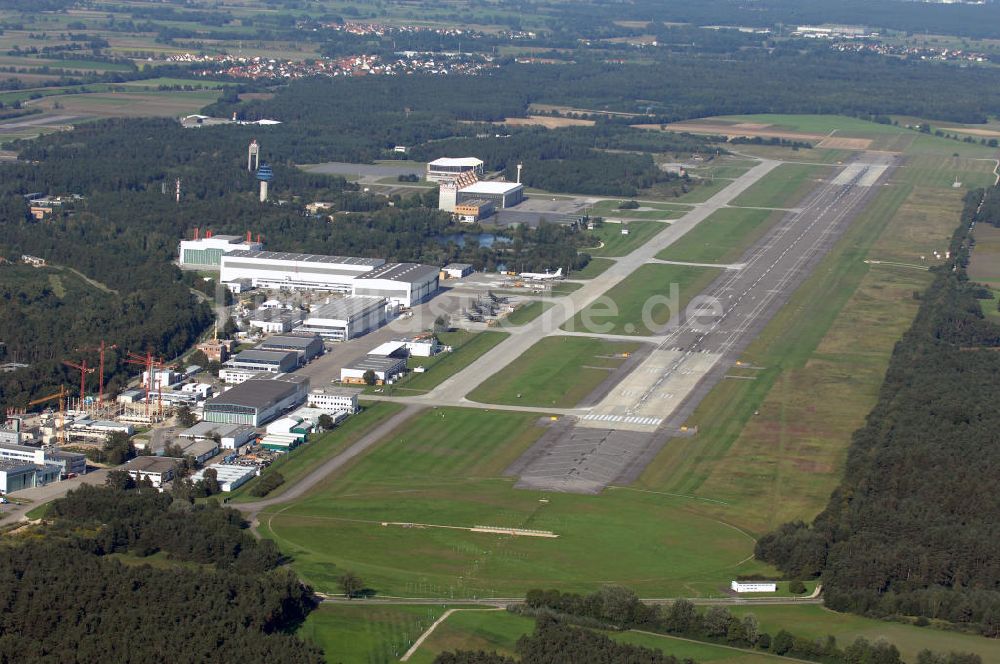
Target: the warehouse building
pixel 206 253
pixel 258 400
pixel 230 436
pixel 386 369
pixel 17 475
pixel 456 270
pixel 446 169
pixel 276 269
pixel 346 318
pixel 306 346
pixel 229 477
pixel 403 284
pixel 265 361
pixel 335 399
pixel 502 194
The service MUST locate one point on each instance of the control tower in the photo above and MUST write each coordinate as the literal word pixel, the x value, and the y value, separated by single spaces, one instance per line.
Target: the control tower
pixel 265 175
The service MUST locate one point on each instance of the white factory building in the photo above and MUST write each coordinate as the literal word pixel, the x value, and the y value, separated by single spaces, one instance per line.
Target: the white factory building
pixel 207 252
pixel 277 269
pixel 335 399
pixel 229 477
pixel 501 193
pixel 346 317
pixel 403 284
pixel 753 586
pixel 448 168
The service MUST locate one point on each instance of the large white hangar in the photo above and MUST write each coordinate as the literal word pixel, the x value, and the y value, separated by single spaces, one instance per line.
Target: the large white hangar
pixel 279 269
pixel 403 284
pixel 346 317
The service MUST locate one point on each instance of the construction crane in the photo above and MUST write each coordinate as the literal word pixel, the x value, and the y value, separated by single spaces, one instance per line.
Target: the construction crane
pixel 61 423
pixel 84 370
pixel 100 376
pixel 152 365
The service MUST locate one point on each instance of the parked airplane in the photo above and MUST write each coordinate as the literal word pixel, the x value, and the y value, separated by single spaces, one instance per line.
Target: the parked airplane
pixel 541 276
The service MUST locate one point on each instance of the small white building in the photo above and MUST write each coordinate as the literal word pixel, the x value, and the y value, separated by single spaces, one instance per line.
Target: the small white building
pixel 754 586
pixel 229 477
pixel 457 270
pixel 234 376
pixel 275 321
pixel 333 399
pixel 199 390
pixel 159 470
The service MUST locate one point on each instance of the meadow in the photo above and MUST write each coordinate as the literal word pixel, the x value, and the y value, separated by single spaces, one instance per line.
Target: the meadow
pixel 527 312
pixel 557 372
pixel 723 237
pixel 595 267
pixel 370 634
pixel 614 243
pixel 399 517
pixel 630 297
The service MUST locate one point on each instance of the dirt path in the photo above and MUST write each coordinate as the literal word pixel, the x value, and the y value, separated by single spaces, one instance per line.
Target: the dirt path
pixel 430 630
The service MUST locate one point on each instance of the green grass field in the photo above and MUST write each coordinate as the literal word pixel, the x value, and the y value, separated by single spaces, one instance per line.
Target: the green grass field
pixel 616 244
pixel 595 267
pixel 299 462
pixel 468 346
pixel 723 237
pixel 370 634
pixel 652 287
pixel 528 312
pixel 817 622
pixel 441 472
pixel 556 371
pixel 783 187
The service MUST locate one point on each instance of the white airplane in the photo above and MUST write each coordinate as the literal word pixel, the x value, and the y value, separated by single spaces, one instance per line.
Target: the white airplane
pixel 541 276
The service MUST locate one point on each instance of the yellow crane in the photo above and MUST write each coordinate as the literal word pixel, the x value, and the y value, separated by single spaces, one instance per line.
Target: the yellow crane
pixel 61 422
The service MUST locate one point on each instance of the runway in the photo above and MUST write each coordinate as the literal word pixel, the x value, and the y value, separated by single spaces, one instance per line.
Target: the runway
pixel 621 435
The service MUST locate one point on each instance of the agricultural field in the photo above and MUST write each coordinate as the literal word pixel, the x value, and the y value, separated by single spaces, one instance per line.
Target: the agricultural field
pixel 468 346
pixel 557 372
pixel 814 373
pixel 129 104
pixel 620 310
pixel 723 237
pixel 300 462
pixel 614 244
pixel 400 517
pixel 818 622
pixel 783 187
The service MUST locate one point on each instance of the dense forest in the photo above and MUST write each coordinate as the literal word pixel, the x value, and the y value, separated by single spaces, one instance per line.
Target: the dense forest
pixel 217 597
pixel 914 527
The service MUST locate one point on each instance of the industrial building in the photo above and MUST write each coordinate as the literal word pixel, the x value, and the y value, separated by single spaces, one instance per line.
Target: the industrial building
pixel 233 376
pixel 258 400
pixel 17 475
pixel 474 209
pixel 275 269
pixel 346 318
pixel 335 399
pixel 386 369
pixel 456 270
pixel 71 463
pixel 403 284
pixel 448 168
pixel 229 477
pixel 265 361
pixel 275 321
pixel 200 450
pixel 206 252
pixel 306 346
pixel 502 194
pixel 159 470
pixel 230 436
pixel 216 350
